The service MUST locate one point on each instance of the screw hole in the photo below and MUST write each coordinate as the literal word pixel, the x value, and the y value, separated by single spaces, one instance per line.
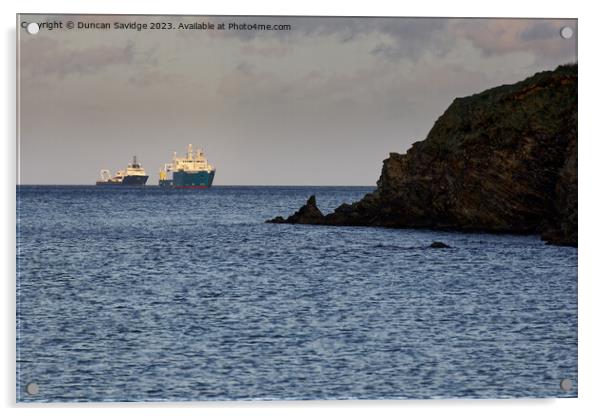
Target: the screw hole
pixel 33 28
pixel 566 32
pixel 32 389
pixel 566 384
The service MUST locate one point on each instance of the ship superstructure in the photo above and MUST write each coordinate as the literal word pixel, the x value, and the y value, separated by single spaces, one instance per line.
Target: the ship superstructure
pixel 191 171
pixel 133 175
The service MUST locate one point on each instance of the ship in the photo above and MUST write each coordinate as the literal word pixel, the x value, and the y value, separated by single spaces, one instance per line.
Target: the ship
pixel 191 171
pixel 133 175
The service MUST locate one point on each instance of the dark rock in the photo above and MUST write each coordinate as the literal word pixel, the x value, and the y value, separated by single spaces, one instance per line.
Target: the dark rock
pixel 277 220
pixel 307 214
pixel 561 229
pixel 438 244
pixel 502 161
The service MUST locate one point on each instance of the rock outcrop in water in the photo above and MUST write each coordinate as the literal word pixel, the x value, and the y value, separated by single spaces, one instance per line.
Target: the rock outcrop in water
pixel 307 214
pixel 502 161
pixel 438 244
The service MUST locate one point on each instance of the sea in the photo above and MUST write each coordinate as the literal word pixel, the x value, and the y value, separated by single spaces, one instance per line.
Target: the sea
pixel 151 294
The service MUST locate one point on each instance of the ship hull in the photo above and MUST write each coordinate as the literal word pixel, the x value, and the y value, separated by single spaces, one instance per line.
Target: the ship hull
pixel 193 180
pixel 132 180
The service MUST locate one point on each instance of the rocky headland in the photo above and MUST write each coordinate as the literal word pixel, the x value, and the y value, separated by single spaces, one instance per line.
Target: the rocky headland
pixel 501 161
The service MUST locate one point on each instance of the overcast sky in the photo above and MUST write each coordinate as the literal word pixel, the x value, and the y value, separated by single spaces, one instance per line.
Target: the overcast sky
pixel 321 104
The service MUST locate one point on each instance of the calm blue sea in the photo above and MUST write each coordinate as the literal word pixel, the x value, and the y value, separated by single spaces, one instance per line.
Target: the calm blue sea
pixel 171 295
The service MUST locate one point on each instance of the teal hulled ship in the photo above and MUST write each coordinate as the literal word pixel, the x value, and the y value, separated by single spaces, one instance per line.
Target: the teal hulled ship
pixel 133 175
pixel 191 171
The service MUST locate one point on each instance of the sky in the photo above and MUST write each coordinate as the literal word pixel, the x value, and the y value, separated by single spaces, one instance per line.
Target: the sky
pixel 320 104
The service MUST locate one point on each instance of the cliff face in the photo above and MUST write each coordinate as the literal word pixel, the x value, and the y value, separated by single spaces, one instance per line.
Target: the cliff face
pixel 504 160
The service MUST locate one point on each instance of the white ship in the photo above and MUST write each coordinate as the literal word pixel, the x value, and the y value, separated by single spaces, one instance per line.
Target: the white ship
pixel 133 175
pixel 190 171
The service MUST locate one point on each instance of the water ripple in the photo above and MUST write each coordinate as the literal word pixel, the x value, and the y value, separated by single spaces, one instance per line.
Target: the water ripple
pixel 150 294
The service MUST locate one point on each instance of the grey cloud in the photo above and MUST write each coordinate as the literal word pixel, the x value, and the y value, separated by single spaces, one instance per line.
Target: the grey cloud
pixel 147 78
pixel 501 36
pixel 539 31
pixel 269 51
pixel 408 37
pixel 409 34
pixel 412 38
pixel 244 79
pixel 43 56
